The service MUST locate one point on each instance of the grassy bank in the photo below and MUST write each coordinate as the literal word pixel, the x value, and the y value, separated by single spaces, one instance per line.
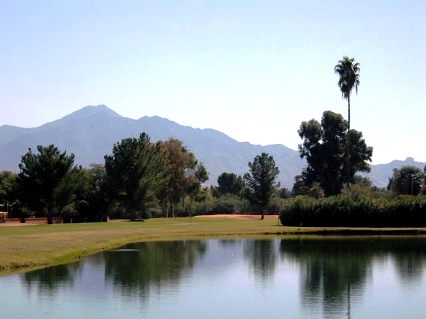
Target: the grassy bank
pixel 25 247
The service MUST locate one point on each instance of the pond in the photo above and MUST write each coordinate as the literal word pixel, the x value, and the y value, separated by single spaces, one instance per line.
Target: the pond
pixel 346 277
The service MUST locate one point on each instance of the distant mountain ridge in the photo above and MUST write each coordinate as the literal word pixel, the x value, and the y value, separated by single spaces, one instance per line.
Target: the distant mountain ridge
pixel 91 132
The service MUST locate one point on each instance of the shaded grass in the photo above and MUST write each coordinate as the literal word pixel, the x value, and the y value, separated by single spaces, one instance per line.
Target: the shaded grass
pixel 24 248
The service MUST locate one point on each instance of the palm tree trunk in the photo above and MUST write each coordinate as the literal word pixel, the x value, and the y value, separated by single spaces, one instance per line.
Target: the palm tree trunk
pixel 348 153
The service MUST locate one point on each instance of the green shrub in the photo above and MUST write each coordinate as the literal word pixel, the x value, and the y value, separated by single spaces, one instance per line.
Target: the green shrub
pixel 202 208
pixel 275 206
pixel 362 211
pixel 227 204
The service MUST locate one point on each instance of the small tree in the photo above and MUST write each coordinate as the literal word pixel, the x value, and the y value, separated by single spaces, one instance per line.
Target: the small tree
pixel 230 183
pixel 423 184
pixel 48 181
pixel 135 173
pixel 91 201
pixel 194 180
pixel 260 182
pixel 407 180
pixel 7 182
pixel 324 146
pixel 180 166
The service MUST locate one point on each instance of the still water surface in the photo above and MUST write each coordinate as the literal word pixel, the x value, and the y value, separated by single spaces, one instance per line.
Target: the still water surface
pixel 243 278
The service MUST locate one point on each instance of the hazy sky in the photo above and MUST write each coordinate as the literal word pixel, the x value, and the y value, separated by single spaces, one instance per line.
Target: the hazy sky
pixel 253 70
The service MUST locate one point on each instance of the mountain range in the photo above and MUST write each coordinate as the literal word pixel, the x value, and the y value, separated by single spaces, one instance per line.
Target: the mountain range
pixel 91 132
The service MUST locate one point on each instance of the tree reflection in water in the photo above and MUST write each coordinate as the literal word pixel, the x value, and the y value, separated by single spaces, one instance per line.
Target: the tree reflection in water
pixel 333 269
pixel 151 265
pixel 133 271
pixel 262 256
pixel 49 280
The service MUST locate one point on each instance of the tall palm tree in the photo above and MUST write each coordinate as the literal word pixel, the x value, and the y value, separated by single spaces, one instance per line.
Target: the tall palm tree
pixel 348 71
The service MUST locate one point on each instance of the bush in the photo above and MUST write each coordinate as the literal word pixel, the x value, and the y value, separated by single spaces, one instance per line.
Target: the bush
pixel 223 208
pixel 202 208
pixel 345 211
pixel 155 212
pixel 274 207
pixel 227 204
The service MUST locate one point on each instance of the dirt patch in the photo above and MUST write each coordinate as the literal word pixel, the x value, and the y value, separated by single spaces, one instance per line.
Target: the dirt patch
pixel 237 216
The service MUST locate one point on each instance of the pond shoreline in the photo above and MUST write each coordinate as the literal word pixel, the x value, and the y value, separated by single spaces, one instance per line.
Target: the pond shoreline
pixel 36 246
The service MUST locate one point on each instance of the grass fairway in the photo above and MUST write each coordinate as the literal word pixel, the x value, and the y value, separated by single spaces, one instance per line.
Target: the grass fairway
pixel 27 247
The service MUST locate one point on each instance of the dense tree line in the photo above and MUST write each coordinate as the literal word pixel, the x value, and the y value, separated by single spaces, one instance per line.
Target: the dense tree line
pixel 141 179
pixel 137 176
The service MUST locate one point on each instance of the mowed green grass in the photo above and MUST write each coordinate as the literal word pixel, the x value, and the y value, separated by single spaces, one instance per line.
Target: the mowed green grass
pixel 42 245
pixel 27 247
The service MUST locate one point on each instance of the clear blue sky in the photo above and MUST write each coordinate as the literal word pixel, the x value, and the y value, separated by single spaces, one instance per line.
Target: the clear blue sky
pixel 253 70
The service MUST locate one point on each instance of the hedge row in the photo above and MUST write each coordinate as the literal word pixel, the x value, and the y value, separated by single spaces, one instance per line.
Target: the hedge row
pixel 344 211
